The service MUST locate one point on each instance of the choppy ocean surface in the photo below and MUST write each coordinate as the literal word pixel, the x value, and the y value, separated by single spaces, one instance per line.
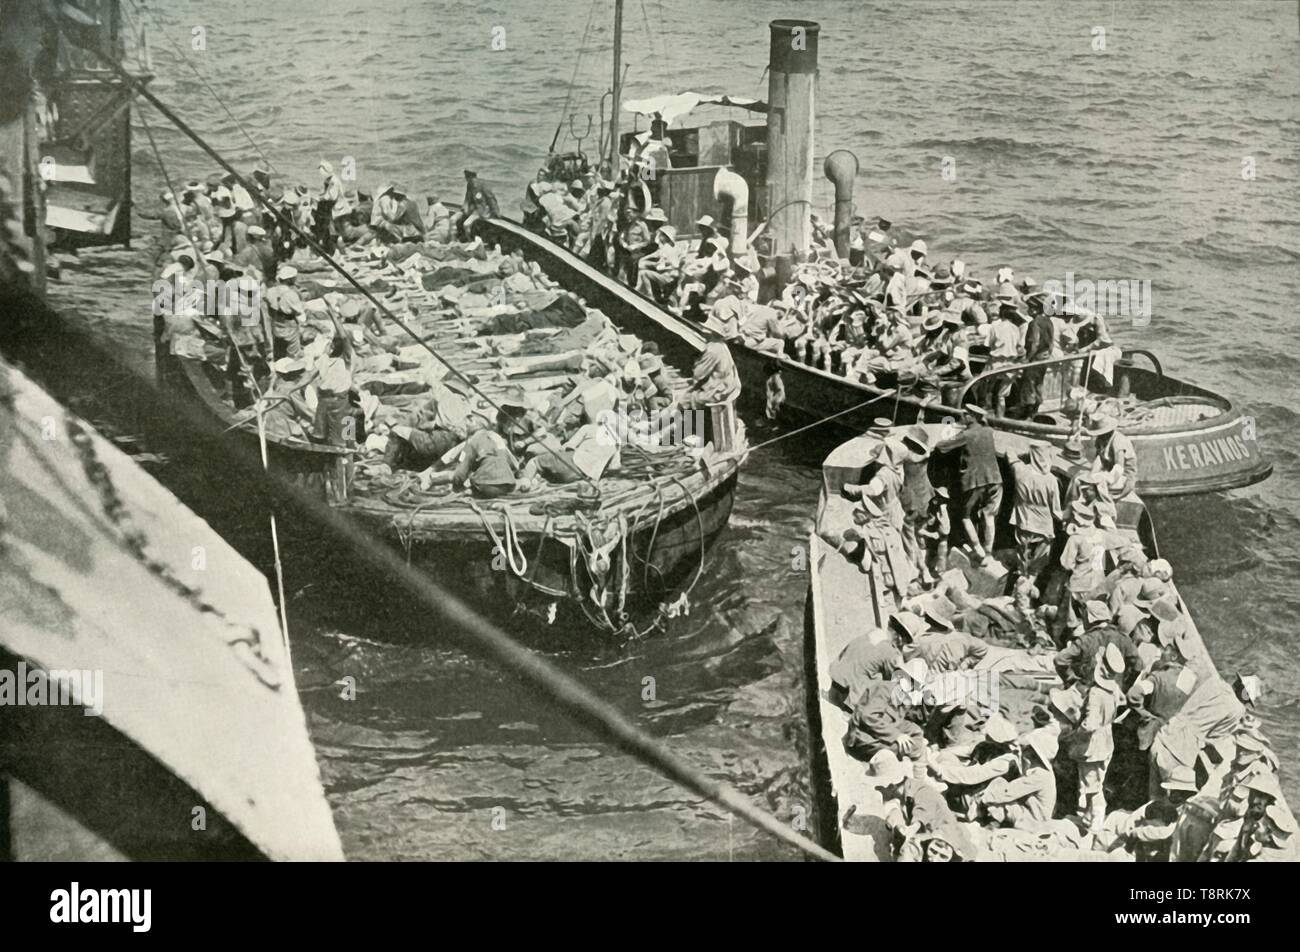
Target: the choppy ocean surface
pixel 1125 162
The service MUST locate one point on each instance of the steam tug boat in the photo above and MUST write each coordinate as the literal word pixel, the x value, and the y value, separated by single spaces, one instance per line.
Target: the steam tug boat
pixel 753 171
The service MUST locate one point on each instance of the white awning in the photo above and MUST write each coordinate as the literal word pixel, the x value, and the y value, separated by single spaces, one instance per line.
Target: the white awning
pixel 676 107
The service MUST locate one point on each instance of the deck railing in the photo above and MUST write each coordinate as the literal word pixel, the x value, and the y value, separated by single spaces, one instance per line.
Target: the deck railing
pixel 1061 375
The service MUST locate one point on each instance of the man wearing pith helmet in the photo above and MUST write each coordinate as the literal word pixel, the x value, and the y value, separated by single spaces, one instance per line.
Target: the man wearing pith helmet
pixel 1116 459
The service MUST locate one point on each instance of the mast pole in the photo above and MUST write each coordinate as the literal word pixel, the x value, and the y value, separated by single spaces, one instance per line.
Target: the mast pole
pixel 34 191
pixel 618 89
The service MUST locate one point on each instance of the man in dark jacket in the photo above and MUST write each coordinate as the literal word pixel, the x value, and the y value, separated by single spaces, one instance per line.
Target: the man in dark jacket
pixel 1075 662
pixel 981 479
pixel 480 203
pixel 1038 346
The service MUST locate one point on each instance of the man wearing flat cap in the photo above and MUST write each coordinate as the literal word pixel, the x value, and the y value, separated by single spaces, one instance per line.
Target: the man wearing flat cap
pixel 287 414
pixel 480 203
pixel 258 252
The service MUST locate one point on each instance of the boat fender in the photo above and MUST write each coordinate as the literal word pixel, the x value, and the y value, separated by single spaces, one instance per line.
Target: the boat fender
pixel 509 546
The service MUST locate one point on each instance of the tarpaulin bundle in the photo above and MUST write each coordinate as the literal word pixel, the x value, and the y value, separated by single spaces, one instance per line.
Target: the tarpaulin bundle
pixel 448 274
pixel 564 311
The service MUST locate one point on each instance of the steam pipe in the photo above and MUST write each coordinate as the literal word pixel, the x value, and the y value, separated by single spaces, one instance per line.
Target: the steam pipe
pixel 841 167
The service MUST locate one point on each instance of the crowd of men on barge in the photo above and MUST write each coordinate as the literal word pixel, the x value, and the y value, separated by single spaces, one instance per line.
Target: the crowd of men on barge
pixel 1142 750
pixel 303 346
pixel 888 313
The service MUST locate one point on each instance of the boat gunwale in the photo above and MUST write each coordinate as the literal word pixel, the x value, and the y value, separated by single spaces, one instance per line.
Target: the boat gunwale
pixel 1227 408
pixel 435 522
pixel 198 378
pixel 694 337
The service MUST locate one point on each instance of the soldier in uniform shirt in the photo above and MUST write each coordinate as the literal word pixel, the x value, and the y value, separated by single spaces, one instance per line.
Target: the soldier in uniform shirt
pixel 1116 459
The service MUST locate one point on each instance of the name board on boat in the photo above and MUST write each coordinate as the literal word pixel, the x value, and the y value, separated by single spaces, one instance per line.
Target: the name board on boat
pixel 1200 459
pixel 1215 449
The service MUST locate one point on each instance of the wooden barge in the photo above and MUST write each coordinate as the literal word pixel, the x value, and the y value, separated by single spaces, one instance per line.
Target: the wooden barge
pixel 618 560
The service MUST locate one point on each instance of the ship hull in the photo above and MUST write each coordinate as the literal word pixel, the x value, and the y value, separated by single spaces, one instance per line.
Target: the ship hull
pixel 546 581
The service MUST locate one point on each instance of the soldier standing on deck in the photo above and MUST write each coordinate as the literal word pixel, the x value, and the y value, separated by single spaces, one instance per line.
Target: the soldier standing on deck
pixel 1039 339
pixel 874 541
pixel 601 226
pixel 1094 743
pixel 915 495
pixel 981 480
pixel 330 205
pixel 633 239
pixel 1037 509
